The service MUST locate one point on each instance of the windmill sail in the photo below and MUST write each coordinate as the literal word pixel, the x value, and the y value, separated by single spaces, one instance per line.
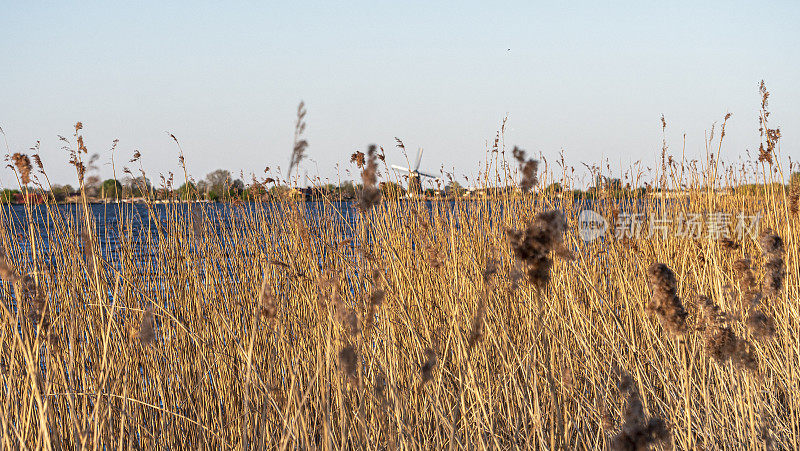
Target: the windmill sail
pixel 415 175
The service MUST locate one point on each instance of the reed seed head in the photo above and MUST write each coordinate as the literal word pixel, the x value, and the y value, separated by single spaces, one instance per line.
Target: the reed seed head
pixel 794 198
pixel 370 195
pixel 358 158
pixel 267 302
pixel 147 332
pixel 775 266
pixel 774 273
pixel 747 280
pixel 348 359
pixel 534 244
pixel 23 164
pixel 7 271
pixel 729 245
pixel 528 168
pixel 665 301
pixel 477 327
pixel 428 365
pixel 771 243
pixel 636 432
pixel 722 343
pixel 760 324
pixel 375 301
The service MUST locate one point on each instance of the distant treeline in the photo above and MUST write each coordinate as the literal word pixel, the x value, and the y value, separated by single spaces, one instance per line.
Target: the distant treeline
pixel 220 186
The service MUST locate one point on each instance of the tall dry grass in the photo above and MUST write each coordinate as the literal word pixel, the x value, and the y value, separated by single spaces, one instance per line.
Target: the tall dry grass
pixel 459 323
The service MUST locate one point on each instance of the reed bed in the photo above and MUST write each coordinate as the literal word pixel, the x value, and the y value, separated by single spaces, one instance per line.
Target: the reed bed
pixel 409 324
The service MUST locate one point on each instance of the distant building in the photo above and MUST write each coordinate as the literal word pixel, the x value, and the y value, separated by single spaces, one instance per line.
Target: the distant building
pixel 33 198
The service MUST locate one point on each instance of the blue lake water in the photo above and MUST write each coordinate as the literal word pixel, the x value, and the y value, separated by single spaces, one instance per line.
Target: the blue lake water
pixel 141 224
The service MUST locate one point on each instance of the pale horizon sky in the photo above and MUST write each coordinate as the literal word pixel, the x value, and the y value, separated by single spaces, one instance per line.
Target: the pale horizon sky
pixel 226 79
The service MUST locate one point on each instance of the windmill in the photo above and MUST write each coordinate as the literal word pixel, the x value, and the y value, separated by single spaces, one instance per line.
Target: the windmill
pixel 415 176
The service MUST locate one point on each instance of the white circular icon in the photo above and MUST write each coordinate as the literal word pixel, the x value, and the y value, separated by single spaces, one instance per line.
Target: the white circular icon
pixel 591 225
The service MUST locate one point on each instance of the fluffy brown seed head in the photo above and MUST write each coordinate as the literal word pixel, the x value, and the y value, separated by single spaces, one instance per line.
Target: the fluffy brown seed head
pixel 477 327
pixel 379 387
pixel 713 314
pixel 375 301
pixel 662 279
pixel 348 319
pixel 764 156
pixel 745 356
pixel 7 272
pixel 300 144
pixel 267 302
pixel 665 301
pixel 528 168
pixel 774 273
pixel 147 332
pixel 636 433
pixel 428 365
pixel 23 164
pixel 358 159
pixel 434 255
pixel 760 324
pixel 606 419
pixel 729 245
pixel 38 160
pixel 490 270
pixel 794 198
pixel 534 244
pixel 774 267
pixel 747 280
pixel 370 194
pixel 721 343
pixel 343 313
pixel 37 302
pixel 771 243
pixel 348 359
pixel 633 415
pixel 376 298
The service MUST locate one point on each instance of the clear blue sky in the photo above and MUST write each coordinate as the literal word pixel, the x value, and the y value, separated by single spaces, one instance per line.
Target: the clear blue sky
pixel 592 78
